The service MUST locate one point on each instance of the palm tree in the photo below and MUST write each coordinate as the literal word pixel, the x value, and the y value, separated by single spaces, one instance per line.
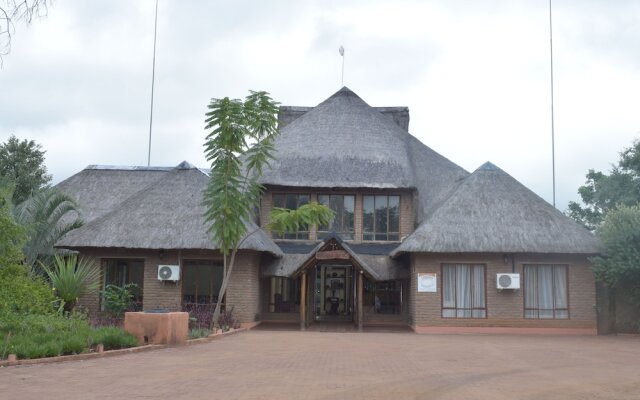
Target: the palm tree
pixel 47 217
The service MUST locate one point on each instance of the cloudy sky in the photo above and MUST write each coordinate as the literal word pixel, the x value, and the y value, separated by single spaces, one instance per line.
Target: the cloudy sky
pixel 474 74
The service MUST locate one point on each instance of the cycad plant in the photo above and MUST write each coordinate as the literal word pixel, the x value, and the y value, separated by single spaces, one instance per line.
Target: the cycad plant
pixel 71 277
pixel 46 217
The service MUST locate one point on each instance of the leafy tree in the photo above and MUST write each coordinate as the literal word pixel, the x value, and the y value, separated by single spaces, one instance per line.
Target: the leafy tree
pixel 22 162
pixel 239 147
pixel 72 277
pixel 619 267
pixel 604 192
pixel 46 218
pixel 12 235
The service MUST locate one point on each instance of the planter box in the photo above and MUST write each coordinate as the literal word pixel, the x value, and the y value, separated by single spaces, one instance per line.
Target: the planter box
pixel 158 328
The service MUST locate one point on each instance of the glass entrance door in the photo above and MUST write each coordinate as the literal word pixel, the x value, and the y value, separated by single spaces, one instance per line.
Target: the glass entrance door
pixel 334 293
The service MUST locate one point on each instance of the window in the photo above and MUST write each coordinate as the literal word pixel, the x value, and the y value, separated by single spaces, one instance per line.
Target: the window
pixel 123 272
pixel 342 223
pixel 545 292
pixel 201 282
pixel 383 297
pixel 381 217
pixel 291 202
pixel 463 291
pixel 284 295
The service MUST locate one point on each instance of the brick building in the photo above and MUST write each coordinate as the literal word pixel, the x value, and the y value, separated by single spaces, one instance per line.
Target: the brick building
pixel 416 239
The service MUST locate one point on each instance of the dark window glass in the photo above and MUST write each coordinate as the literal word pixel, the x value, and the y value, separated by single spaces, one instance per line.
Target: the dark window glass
pixel 201 281
pixel 291 201
pixel 546 292
pixel 383 297
pixel 343 207
pixel 381 217
pixel 463 291
pixel 284 295
pixel 123 272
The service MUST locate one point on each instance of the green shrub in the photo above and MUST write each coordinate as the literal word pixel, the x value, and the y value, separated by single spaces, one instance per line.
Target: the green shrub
pixel 113 338
pixel 198 333
pixel 21 293
pixel 117 299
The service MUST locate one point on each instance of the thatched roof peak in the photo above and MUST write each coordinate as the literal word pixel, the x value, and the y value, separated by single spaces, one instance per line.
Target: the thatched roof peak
pixel 490 211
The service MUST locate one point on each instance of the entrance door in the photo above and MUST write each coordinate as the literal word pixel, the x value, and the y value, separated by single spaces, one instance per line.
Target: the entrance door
pixel 334 293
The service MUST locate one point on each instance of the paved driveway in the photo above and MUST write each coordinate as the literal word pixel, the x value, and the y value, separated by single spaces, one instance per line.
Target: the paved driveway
pixel 322 365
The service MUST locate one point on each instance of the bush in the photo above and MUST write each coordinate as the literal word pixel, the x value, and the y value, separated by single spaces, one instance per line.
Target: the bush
pixel 198 333
pixel 118 299
pixel 22 294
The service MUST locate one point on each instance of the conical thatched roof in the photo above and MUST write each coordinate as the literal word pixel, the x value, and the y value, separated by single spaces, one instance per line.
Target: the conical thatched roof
pixel 343 142
pixel 166 215
pixel 492 212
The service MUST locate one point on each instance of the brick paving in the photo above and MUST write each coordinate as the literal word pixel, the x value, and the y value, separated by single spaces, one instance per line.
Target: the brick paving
pixel 279 364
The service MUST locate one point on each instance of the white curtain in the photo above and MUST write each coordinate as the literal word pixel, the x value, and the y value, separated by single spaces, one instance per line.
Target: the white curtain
pixel 478 291
pixel 448 291
pixel 560 291
pixel 463 290
pixel 546 294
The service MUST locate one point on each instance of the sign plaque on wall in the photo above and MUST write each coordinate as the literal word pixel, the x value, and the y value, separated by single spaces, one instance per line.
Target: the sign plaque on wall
pixel 428 282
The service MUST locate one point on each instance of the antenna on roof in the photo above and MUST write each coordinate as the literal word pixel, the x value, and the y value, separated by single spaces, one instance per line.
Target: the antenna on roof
pixel 153 78
pixel 341 50
pixel 553 140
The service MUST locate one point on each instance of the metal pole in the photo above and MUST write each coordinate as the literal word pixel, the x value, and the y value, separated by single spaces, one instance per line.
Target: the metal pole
pixel 553 140
pixel 153 79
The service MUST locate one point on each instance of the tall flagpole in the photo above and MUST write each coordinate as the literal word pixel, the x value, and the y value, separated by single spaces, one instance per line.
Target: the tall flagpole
pixel 153 79
pixel 553 140
pixel 341 50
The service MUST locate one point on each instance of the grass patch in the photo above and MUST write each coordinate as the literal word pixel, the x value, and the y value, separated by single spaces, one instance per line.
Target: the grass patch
pixel 36 336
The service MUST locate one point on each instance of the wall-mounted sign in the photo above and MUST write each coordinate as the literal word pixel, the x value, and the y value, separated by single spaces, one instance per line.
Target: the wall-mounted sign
pixel 428 282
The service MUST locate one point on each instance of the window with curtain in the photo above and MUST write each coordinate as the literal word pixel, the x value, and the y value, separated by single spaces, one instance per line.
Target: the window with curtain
pixel 201 282
pixel 381 217
pixel 463 291
pixel 284 295
pixel 291 201
pixel 343 206
pixel 545 292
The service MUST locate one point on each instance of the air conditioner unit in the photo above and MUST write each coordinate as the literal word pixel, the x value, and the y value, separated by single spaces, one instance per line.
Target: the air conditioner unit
pixel 508 281
pixel 168 273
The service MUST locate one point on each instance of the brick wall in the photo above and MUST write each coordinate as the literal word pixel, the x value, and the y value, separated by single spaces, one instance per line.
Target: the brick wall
pixel 505 308
pixel 407 215
pixel 242 292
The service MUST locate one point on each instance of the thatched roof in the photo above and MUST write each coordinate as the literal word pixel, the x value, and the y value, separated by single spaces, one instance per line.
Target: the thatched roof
pixel 343 142
pixel 373 259
pixel 100 189
pixel 168 214
pixel 490 211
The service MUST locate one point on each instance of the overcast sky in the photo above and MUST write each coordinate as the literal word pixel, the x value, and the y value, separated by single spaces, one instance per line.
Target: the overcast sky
pixel 474 74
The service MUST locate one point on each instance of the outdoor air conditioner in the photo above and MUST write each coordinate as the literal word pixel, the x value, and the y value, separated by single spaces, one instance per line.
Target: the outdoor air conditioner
pixel 168 273
pixel 508 281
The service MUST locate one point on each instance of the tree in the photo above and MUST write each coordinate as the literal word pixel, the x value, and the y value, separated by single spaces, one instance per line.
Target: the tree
pixel 603 193
pixel 12 12
pixel 12 235
pixel 46 218
pixel 22 162
pixel 239 147
pixel 619 266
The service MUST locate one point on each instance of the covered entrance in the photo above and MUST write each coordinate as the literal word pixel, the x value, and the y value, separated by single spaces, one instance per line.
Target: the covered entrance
pixel 334 294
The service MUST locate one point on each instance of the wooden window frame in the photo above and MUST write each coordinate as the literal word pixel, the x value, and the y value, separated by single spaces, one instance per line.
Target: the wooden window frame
pixel 553 291
pixel 455 297
pixel 353 233
pixel 375 232
pixel 297 233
